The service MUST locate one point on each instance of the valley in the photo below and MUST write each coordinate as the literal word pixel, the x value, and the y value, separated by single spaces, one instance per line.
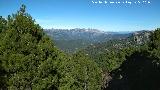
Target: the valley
pixel 34 58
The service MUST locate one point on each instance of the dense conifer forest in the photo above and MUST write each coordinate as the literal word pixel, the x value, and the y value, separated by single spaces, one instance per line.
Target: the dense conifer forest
pixel 29 60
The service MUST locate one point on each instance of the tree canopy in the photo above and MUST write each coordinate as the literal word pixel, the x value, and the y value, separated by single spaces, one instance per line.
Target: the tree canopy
pixel 29 59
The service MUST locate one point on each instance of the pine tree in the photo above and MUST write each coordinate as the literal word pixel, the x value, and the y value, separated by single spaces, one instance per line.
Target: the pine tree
pixel 29 60
pixel 28 56
pixel 80 73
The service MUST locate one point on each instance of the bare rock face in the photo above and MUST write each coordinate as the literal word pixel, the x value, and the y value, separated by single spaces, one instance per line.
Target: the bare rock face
pixel 106 79
pixel 141 37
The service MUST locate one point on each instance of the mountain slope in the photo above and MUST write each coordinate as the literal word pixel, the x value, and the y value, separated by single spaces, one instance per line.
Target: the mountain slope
pixel 75 39
pixel 135 39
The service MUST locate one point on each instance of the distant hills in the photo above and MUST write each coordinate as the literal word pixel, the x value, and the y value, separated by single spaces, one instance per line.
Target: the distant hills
pixel 71 40
pixel 135 39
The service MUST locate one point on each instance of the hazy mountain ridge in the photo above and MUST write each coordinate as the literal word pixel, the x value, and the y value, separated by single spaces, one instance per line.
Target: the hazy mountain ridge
pixel 136 39
pixel 73 34
pixel 70 40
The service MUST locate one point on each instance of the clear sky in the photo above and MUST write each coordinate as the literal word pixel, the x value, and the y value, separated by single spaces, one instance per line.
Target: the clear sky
pixel 86 14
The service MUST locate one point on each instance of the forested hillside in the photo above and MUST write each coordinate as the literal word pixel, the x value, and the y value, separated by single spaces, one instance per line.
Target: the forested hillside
pixel 29 60
pixel 73 40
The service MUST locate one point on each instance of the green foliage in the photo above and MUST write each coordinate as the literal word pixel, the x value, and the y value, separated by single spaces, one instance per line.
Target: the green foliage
pixel 109 61
pixel 2 77
pixel 155 39
pixel 3 24
pixel 71 46
pixel 140 70
pixel 29 59
pixel 110 55
pixel 27 55
pixel 80 73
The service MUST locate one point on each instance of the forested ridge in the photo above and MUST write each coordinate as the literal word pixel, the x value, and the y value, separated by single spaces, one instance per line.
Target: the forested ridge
pixel 29 60
pixel 73 40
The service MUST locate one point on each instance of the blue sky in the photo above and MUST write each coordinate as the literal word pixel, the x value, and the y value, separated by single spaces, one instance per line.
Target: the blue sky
pixel 85 14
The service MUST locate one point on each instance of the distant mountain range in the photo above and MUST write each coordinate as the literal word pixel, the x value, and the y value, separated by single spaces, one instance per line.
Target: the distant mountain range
pixel 136 39
pixel 71 40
